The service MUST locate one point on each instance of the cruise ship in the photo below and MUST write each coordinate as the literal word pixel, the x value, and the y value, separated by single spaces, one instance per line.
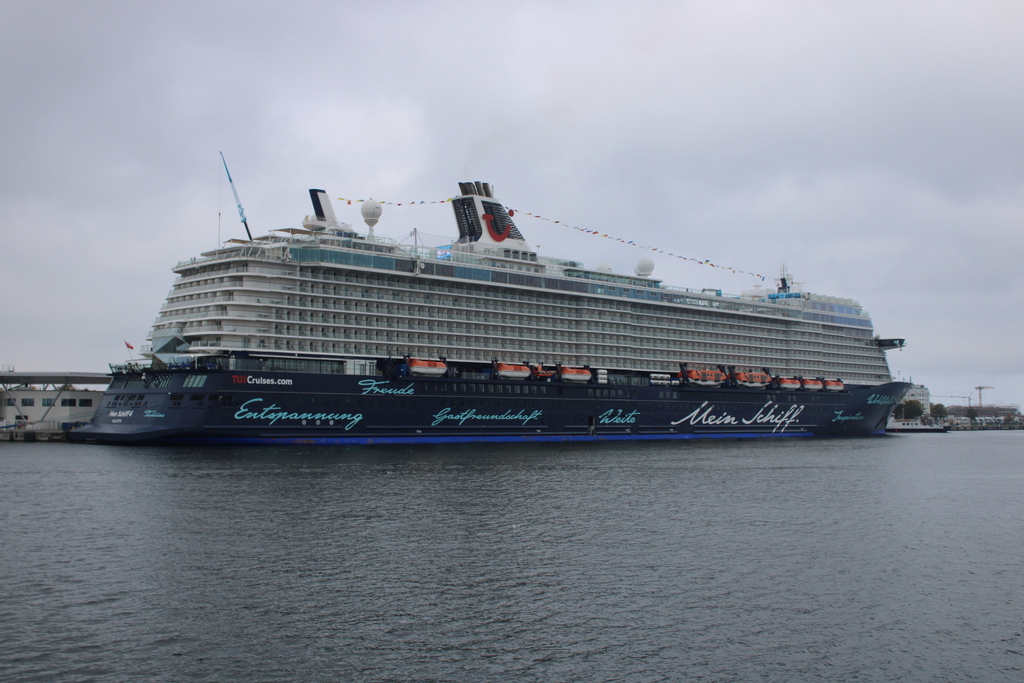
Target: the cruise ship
pixel 327 335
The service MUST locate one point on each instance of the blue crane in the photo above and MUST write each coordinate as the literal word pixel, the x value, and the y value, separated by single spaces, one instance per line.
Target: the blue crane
pixel 241 211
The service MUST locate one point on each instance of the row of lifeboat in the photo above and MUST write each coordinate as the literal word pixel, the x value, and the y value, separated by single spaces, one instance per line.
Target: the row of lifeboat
pixel 810 384
pixel 757 380
pixel 428 367
pixel 566 373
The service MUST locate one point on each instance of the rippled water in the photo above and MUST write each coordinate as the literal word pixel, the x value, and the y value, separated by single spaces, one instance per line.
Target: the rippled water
pixel 895 558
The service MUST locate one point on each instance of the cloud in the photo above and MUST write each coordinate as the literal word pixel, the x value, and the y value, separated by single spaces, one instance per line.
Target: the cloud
pixel 870 146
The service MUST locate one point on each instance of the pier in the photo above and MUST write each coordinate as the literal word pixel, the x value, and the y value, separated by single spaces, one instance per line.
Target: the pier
pixel 985 428
pixel 49 431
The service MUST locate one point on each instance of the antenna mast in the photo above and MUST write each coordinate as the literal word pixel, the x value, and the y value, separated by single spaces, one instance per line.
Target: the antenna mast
pixel 241 211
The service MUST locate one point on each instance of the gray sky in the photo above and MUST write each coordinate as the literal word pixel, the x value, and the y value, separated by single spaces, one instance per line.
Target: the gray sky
pixel 875 148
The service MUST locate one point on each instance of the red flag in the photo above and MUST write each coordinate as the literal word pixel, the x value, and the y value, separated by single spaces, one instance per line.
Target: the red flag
pixel 129 346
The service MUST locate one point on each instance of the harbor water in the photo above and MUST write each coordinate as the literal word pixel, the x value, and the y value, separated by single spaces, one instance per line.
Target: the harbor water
pixel 892 558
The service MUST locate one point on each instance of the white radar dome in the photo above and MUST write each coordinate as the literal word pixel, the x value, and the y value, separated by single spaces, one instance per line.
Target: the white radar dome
pixel 371 212
pixel 604 268
pixel 644 267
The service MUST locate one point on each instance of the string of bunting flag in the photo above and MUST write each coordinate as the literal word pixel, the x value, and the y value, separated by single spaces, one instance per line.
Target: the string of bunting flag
pixel 632 243
pixel 381 201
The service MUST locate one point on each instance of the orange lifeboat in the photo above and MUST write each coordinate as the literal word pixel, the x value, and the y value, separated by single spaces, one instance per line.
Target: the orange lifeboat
pixel 571 374
pixel 754 380
pixel 426 367
pixel 811 384
pixel 834 385
pixel 706 378
pixel 512 370
pixel 789 383
pixel 540 372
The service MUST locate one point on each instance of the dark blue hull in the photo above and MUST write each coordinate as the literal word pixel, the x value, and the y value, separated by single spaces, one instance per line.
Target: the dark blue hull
pixel 224 406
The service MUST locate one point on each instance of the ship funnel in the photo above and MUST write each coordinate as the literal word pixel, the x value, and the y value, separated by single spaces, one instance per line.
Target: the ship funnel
pixel 322 208
pixel 477 188
pixel 323 217
pixel 483 220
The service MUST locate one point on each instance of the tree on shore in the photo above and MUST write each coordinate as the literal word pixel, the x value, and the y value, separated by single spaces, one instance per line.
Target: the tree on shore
pixel 939 411
pixel 912 409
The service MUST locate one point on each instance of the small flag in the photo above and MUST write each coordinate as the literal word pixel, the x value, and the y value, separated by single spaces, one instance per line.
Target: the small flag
pixel 129 346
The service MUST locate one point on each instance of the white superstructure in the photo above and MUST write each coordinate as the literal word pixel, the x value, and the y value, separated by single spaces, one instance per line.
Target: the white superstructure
pixel 325 298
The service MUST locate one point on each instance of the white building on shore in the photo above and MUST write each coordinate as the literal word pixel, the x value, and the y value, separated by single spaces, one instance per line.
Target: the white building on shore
pixel 920 393
pixel 48 400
